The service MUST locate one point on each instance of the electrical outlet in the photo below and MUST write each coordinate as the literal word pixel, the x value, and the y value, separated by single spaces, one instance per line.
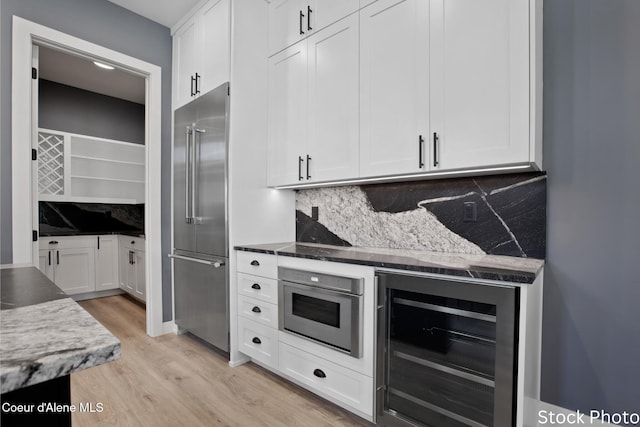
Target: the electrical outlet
pixel 314 213
pixel 470 212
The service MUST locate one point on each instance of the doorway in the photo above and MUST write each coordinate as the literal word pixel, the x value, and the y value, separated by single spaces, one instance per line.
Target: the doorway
pixel 25 35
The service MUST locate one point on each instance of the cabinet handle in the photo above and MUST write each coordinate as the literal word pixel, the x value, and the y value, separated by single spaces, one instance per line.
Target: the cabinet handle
pixel 53 242
pixel 435 149
pixel 420 152
pixel 198 83
pixel 256 340
pixel 133 257
pixel 319 373
pixel 58 257
pixel 255 263
pixel 256 287
pixel 98 242
pixel 309 18
pixel 133 242
pixel 49 257
pixel 308 162
pixel 256 309
pixel 192 81
pixel 301 18
pixel 300 160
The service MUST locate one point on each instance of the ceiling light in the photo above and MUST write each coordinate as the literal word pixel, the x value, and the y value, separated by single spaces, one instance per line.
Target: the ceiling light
pixel 101 65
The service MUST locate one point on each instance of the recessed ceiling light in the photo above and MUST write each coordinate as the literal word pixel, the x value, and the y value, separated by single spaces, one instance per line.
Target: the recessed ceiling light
pixel 101 65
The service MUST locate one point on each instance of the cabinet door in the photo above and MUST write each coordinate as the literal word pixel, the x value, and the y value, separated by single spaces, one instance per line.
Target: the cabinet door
pixel 45 263
pixel 326 12
pixel 287 114
pixel 107 263
pixel 394 87
pixel 75 269
pixel 185 51
pixel 214 51
pixel 124 261
pixel 139 288
pixel 333 109
pixel 286 26
pixel 480 81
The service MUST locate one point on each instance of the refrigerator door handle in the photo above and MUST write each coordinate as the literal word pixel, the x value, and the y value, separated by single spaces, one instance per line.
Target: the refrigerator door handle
pixel 187 180
pixel 195 202
pixel 216 264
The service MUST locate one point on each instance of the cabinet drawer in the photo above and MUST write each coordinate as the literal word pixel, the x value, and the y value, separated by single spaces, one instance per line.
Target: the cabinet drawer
pixel 258 287
pixel 339 384
pixel 258 342
pixel 258 311
pixel 132 242
pixel 264 265
pixel 68 242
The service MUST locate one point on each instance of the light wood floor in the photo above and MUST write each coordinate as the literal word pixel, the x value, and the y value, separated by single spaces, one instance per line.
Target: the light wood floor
pixel 175 380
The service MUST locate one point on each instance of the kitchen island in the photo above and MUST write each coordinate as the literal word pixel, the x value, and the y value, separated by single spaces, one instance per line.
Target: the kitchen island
pixel 45 336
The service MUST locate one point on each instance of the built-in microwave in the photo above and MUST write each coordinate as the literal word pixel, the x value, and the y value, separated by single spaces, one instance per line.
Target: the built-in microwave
pixel 322 307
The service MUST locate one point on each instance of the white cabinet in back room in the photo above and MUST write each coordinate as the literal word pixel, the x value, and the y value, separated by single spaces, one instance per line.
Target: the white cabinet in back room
pixel 69 261
pixel 133 266
pixel 201 50
pixel 107 262
pixel 313 107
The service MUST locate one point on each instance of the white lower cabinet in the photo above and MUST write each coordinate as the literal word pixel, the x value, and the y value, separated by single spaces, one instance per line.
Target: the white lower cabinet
pixel 259 342
pixel 332 381
pixel 133 266
pixel 107 262
pixel 69 261
pixel 258 311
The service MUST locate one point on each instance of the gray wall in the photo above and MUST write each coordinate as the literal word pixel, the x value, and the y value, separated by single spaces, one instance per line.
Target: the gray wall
pixel 106 24
pixel 591 329
pixel 69 109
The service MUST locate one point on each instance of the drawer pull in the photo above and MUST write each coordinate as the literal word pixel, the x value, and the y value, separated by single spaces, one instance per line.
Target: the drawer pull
pixel 53 242
pixel 255 263
pixel 256 340
pixel 255 286
pixel 319 373
pixel 256 309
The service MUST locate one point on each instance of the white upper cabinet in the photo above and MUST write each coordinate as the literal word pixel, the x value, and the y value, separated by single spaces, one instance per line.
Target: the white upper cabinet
pixel 287 114
pixel 445 85
pixel 480 101
pixel 201 49
pixel 313 107
pixel 394 90
pixel 293 20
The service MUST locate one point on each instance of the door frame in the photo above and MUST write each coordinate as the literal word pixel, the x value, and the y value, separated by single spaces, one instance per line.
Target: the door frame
pixel 25 33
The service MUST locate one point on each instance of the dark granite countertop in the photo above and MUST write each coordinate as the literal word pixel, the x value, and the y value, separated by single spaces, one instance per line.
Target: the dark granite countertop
pixel 487 267
pixel 44 333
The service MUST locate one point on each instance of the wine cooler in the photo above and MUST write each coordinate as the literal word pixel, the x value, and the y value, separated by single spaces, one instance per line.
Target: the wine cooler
pixel 446 352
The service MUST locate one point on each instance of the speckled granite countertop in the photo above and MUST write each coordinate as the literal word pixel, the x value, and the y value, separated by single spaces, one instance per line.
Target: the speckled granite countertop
pixel 488 267
pixel 44 333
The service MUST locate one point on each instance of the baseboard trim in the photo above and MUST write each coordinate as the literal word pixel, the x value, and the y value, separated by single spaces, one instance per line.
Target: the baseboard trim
pixel 169 328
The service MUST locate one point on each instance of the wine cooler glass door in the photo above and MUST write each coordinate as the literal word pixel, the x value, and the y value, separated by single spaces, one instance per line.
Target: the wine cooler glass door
pixel 448 356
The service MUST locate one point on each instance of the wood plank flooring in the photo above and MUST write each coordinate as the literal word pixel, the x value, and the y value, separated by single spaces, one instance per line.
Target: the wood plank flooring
pixel 176 380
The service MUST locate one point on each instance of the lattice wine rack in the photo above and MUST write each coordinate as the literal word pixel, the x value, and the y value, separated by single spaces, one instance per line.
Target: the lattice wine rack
pixel 51 163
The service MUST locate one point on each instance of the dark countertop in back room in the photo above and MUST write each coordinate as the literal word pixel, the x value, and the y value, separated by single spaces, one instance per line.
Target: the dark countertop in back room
pixel 487 267
pixel 133 233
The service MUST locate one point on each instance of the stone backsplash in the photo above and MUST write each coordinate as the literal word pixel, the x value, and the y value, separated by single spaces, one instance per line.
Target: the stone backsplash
pixel 71 218
pixel 510 212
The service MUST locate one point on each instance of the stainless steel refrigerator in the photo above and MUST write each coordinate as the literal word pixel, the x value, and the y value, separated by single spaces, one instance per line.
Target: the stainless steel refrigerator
pixel 200 253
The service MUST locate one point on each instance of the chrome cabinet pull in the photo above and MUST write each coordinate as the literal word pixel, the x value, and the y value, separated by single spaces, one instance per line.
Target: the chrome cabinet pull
pixel 187 178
